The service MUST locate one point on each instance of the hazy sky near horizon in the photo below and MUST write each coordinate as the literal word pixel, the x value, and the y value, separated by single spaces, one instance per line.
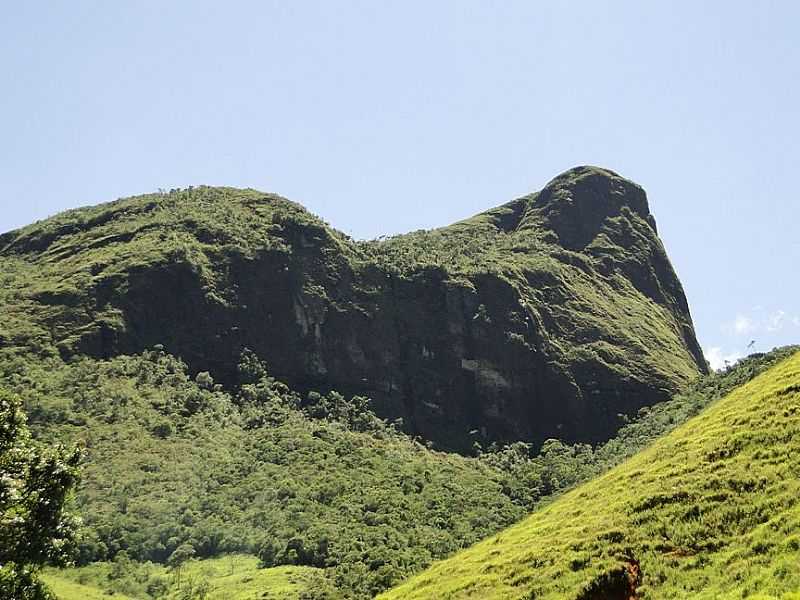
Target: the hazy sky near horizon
pixel 384 117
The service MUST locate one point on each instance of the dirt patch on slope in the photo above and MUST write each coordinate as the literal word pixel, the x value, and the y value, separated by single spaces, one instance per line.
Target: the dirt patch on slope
pixel 620 583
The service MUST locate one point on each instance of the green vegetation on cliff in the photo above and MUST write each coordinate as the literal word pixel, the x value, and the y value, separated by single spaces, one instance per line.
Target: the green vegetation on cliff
pixel 709 511
pixel 546 317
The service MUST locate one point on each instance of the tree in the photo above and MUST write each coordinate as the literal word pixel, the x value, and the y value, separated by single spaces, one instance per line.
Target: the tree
pixel 181 554
pixel 268 553
pixel 35 481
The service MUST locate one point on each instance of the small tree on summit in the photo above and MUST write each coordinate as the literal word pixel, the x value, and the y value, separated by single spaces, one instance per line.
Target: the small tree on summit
pixel 34 484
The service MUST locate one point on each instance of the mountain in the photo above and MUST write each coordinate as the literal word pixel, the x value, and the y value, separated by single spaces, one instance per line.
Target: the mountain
pixel 214 349
pixel 549 316
pixel 709 511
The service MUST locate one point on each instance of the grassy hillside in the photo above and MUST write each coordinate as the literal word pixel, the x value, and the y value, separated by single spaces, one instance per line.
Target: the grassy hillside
pixel 710 511
pixel 66 589
pixel 235 577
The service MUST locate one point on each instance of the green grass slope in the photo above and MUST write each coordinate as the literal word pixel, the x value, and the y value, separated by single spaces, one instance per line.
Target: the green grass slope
pixel 710 511
pixel 234 577
pixel 66 589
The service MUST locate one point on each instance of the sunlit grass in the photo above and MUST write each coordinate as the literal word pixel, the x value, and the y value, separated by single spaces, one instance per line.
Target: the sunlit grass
pixel 710 511
pixel 234 577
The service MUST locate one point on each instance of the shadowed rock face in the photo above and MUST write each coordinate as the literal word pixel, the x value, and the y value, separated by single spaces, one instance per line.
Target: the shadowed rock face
pixel 545 317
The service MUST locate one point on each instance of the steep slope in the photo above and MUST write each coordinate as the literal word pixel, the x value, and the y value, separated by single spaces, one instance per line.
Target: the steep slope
pixel 710 511
pixel 548 316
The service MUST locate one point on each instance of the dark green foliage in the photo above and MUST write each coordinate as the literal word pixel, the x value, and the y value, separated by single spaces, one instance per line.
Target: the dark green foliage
pixel 182 553
pixel 21 583
pixel 34 484
pixel 177 467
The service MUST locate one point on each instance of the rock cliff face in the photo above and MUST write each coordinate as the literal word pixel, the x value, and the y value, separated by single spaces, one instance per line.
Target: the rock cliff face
pixel 545 317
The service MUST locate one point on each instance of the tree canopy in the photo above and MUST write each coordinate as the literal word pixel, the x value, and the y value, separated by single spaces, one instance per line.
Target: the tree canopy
pixel 35 482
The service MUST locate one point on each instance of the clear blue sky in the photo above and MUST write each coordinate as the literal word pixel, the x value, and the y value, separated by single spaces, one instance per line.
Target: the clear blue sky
pixel 384 117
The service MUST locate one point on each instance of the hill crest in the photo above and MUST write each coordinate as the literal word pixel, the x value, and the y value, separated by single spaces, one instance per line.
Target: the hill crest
pixel 552 327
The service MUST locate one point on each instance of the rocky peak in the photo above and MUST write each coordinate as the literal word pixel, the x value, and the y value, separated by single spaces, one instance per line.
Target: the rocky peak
pixel 577 203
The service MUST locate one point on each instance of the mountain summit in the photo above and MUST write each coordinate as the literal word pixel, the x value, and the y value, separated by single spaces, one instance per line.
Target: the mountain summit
pixel 548 316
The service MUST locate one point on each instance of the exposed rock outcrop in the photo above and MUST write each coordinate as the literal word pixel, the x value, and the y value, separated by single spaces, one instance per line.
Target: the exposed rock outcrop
pixel 545 317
